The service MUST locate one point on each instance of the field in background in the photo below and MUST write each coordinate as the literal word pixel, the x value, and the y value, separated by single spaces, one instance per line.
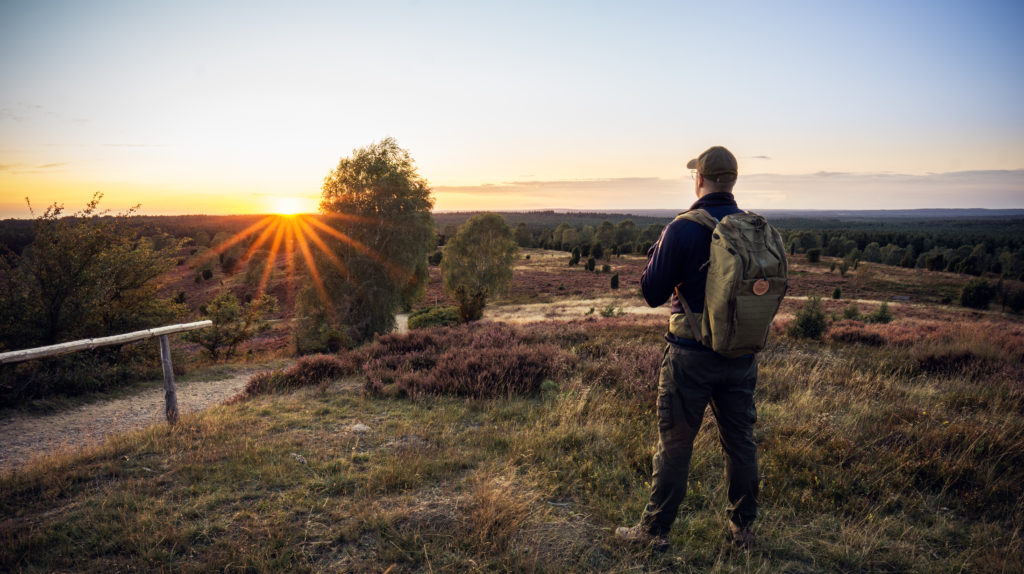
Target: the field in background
pixel 888 447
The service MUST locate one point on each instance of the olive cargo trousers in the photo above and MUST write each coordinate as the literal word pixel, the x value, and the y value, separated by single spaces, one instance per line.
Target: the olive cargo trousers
pixel 690 380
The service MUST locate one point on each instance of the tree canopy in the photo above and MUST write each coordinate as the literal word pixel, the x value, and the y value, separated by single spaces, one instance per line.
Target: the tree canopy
pixel 380 211
pixel 478 262
pixel 83 275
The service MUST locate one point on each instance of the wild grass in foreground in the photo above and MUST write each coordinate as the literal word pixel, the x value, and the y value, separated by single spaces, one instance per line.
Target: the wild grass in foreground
pixel 873 459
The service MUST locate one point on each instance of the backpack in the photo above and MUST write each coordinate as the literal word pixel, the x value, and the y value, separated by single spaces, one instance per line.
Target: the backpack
pixel 747 279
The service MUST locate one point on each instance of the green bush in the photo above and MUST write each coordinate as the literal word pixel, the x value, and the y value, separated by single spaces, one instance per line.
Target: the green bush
pixel 434 317
pixel 615 281
pixel 810 322
pixel 977 294
pixel 837 293
pixel 814 255
pixel 852 311
pixel 881 315
pixel 233 323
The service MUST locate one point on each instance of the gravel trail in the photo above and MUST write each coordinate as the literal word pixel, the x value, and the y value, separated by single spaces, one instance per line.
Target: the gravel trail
pixel 25 436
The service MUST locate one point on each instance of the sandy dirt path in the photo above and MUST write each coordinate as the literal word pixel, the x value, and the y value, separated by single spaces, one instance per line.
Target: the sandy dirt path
pixel 25 436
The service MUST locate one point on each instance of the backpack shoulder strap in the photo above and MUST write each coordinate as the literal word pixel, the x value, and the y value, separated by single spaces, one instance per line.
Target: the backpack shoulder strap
pixel 700 216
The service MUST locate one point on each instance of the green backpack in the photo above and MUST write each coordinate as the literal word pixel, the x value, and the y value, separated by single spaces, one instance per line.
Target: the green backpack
pixel 747 279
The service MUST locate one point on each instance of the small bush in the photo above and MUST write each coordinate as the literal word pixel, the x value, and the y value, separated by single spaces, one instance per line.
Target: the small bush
pixel 435 361
pixel 809 322
pixel 311 371
pixel 814 255
pixel 977 294
pixel 837 293
pixel 615 281
pixel 434 317
pixel 880 315
pixel 848 331
pixel 591 263
pixel 233 323
pixel 606 268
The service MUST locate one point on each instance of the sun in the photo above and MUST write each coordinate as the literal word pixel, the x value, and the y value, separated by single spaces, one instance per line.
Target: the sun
pixel 287 205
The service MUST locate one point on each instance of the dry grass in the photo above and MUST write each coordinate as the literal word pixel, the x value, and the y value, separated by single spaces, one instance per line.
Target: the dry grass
pixel 903 456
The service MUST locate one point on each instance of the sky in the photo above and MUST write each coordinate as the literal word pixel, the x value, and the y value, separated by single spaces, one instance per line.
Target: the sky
pixel 244 107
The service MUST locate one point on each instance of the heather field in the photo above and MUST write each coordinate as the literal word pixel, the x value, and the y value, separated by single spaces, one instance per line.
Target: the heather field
pixel 520 442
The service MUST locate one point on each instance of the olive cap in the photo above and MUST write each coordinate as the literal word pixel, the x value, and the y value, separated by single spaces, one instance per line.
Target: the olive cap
pixel 716 163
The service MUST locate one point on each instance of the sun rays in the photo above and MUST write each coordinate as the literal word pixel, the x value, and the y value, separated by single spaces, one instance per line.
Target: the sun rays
pixel 300 233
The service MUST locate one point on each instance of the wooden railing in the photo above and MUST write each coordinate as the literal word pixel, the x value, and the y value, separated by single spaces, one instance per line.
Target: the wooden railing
pixel 170 394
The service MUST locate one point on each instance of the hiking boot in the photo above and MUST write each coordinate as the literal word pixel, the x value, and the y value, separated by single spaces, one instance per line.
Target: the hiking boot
pixel 742 536
pixel 640 535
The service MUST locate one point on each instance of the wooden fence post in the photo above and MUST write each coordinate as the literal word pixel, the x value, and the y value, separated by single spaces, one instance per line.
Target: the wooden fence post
pixel 170 394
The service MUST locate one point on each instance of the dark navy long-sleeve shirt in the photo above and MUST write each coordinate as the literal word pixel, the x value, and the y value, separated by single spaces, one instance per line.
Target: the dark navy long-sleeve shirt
pixel 677 259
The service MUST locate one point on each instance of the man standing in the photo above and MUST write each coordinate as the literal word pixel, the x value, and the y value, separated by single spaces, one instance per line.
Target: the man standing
pixel 693 375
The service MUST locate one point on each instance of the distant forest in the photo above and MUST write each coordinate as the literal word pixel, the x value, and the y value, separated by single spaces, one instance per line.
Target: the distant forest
pixel 975 242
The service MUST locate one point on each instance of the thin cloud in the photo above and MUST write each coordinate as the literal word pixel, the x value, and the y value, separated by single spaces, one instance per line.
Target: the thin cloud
pixel 994 189
pixel 23 169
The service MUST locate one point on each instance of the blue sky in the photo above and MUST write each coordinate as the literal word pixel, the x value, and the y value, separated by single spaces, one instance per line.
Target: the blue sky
pixel 220 107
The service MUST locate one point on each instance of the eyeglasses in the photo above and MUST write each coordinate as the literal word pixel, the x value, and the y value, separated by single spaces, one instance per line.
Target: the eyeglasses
pixel 693 174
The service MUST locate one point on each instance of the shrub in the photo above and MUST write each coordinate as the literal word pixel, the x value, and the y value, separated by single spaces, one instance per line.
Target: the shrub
pixel 809 321
pixel 311 371
pixel 591 264
pixel 848 331
pixel 977 294
pixel 814 255
pixel 435 361
pixel 615 281
pixel 837 293
pixel 434 317
pixel 880 315
pixel 606 268
pixel 84 275
pixel 435 258
pixel 233 323
pixel 852 312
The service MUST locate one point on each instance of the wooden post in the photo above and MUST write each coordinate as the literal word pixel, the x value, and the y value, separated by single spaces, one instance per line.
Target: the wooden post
pixel 170 394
